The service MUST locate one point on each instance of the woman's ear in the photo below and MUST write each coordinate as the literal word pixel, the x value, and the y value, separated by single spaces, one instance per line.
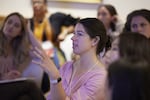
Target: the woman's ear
pixel 95 41
pixel 114 18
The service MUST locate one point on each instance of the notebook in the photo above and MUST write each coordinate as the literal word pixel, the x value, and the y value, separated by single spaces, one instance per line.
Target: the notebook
pixel 15 80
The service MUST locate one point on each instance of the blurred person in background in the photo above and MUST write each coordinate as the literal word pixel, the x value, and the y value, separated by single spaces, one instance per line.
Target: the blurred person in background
pixel 40 23
pixel 138 21
pixel 128 44
pixel 108 15
pixel 15 52
pixel 62 25
pixel 129 79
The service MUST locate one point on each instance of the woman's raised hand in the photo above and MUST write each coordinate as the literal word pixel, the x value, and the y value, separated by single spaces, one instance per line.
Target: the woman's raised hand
pixel 45 62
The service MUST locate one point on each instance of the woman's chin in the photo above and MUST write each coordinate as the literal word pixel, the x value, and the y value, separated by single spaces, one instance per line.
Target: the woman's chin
pixel 76 52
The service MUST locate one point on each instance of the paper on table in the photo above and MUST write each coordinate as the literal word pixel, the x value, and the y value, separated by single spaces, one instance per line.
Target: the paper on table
pixel 15 80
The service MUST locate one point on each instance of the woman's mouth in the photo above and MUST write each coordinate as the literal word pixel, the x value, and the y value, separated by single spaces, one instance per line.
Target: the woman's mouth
pixel 74 46
pixel 10 30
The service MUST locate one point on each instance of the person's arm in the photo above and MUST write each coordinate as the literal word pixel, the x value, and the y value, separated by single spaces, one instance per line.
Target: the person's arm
pixel 34 42
pixel 56 90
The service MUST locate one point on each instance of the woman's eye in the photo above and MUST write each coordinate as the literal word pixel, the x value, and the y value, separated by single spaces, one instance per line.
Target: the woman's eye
pixel 79 34
pixel 143 25
pixel 9 22
pixel 134 26
pixel 104 14
pixel 115 49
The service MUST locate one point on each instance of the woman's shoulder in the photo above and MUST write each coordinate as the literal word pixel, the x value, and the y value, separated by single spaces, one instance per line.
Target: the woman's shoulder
pixel 66 67
pixel 98 73
pixel 100 68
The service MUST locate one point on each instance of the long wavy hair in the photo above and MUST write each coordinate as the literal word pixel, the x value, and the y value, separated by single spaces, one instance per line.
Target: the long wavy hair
pixel 20 44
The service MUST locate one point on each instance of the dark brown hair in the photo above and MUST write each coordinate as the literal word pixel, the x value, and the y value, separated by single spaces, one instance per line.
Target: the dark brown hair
pixel 142 12
pixel 134 45
pixel 112 11
pixel 95 27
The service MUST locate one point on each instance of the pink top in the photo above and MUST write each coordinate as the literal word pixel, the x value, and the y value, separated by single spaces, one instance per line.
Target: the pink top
pixel 90 86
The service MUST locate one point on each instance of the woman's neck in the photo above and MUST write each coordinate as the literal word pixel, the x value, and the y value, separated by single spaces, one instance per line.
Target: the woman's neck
pixel 88 59
pixel 39 18
pixel 107 27
pixel 9 40
pixel 9 50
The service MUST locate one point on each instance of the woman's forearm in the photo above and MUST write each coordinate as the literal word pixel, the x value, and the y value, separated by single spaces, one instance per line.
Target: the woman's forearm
pixel 56 92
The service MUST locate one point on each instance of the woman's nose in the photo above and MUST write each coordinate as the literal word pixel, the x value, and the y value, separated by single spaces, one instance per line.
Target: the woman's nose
pixel 100 17
pixel 139 29
pixel 108 54
pixel 11 26
pixel 73 37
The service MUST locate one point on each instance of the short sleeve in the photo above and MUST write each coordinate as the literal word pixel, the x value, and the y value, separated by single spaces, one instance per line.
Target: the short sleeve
pixel 65 68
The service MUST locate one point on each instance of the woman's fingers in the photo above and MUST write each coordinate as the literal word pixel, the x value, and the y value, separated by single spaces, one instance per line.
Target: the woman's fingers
pixel 40 63
pixel 38 55
pixel 36 62
pixel 44 61
pixel 38 50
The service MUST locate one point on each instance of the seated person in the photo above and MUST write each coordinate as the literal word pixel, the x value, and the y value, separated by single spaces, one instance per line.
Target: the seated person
pixel 129 80
pixel 15 52
pixel 39 23
pixel 85 78
pixel 138 21
pixel 128 44
pixel 108 15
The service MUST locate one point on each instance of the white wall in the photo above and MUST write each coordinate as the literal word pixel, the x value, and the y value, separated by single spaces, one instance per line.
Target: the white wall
pixel 126 6
pixel 76 9
pixel 22 6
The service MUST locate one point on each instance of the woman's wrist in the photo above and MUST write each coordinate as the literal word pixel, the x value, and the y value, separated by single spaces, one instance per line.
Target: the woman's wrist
pixel 56 81
pixel 53 75
pixel 55 78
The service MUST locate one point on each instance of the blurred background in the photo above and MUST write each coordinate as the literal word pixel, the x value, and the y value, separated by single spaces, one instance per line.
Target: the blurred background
pixel 75 9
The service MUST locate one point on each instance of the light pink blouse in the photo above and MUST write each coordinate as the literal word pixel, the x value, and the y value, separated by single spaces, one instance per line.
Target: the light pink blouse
pixel 90 86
